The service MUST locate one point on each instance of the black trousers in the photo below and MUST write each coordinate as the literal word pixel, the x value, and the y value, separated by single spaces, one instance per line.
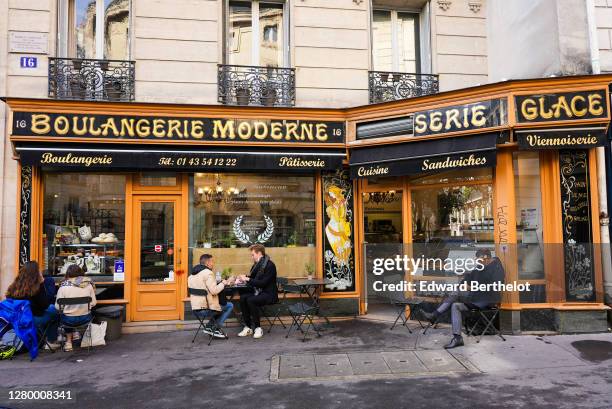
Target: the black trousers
pixel 249 305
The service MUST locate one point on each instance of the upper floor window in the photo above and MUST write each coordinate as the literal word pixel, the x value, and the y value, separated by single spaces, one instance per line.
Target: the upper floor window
pixel 256 34
pixel 395 41
pixel 94 29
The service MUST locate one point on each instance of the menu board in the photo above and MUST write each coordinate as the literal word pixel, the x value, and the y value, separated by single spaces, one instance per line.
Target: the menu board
pixel 576 220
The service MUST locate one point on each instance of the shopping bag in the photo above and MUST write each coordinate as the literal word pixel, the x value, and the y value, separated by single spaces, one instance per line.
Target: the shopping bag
pixel 94 336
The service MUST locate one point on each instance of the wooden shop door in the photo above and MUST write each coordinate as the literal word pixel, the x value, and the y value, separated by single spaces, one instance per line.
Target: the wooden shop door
pixel 156 257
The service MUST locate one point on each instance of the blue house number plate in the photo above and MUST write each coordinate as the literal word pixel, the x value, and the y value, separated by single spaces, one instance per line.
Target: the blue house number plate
pixel 28 62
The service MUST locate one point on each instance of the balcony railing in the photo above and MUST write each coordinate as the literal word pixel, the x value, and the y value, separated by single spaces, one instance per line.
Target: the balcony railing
pixel 390 86
pixel 87 79
pixel 261 86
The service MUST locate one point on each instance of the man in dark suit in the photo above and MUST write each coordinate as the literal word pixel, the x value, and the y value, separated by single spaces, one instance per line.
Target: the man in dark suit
pixel 261 291
pixel 491 272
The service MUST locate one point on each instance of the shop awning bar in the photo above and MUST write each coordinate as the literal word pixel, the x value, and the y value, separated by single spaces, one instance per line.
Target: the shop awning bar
pixel 86 157
pixel 436 155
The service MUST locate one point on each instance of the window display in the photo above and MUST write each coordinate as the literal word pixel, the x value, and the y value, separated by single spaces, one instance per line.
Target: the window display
pixel 229 212
pixel 84 223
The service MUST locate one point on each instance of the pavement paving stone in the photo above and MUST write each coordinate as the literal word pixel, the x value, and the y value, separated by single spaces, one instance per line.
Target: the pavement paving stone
pixel 333 365
pixel 403 362
pixel 297 366
pixel 439 361
pixel 368 363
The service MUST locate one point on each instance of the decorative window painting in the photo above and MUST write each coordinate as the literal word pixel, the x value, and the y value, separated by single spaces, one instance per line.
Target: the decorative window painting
pixel 338 249
pixel 576 221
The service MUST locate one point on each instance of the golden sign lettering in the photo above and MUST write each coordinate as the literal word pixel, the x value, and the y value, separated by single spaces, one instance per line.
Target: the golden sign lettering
pixel 570 106
pixel 448 163
pixel 166 128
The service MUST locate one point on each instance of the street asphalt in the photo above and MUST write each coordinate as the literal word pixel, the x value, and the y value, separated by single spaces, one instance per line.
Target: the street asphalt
pixel 165 370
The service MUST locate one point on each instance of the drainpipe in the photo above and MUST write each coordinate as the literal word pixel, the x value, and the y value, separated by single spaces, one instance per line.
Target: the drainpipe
pixel 601 165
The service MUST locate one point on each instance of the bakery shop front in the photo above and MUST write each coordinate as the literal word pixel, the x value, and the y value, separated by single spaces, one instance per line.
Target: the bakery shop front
pixel 508 167
pixel 136 192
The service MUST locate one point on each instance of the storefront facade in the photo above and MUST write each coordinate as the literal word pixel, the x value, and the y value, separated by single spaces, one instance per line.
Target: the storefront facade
pixel 511 168
pixel 137 192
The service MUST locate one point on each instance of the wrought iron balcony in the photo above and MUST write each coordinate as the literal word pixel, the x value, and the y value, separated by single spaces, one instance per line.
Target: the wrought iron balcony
pixel 262 86
pixel 87 79
pixel 390 86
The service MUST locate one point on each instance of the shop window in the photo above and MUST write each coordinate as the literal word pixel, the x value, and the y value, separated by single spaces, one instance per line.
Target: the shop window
pixel 382 221
pixel 468 175
pixel 229 212
pixel 256 34
pixel 529 229
pixel 395 44
pixel 157 179
pixel 97 29
pixel 84 224
pixel 453 214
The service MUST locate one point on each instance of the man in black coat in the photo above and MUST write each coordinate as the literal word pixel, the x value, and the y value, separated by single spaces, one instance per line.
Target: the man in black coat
pixel 491 272
pixel 261 291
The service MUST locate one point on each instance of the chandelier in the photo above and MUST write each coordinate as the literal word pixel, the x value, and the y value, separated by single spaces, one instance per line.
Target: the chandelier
pixel 217 193
pixel 381 197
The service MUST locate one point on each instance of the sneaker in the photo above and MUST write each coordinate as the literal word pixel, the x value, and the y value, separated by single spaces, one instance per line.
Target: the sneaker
pixel 68 347
pixel 207 330
pixel 219 334
pixel 53 345
pixel 258 333
pixel 246 331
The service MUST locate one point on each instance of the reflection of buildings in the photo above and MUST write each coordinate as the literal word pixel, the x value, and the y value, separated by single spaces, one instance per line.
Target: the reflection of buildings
pixel 270 35
pixel 116 19
pixel 85 32
pixel 116 34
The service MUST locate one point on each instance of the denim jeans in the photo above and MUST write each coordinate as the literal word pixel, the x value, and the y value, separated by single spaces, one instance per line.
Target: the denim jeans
pixel 75 320
pixel 226 310
pixel 50 315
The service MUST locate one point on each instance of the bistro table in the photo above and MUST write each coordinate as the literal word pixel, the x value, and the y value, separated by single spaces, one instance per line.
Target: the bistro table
pixel 312 287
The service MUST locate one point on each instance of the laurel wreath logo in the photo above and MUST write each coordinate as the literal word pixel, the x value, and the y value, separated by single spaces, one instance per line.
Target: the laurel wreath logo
pixel 245 238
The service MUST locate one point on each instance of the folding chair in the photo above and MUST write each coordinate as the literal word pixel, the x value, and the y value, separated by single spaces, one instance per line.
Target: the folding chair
pixel 436 321
pixel 204 314
pixel 486 317
pixel 63 326
pixel 400 302
pixel 284 288
pixel 300 312
pixel 42 337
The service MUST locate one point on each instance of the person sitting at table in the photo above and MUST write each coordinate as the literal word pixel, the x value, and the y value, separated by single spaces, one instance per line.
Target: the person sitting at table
pixel 261 291
pixel 491 272
pixel 76 285
pixel 30 285
pixel 203 278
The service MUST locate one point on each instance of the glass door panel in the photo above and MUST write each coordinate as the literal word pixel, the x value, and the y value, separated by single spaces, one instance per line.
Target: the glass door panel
pixel 157 242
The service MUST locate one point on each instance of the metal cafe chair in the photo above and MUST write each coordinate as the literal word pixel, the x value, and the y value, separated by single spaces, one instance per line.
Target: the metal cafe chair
pixel 284 288
pixel 300 312
pixel 484 322
pixel 400 302
pixel 42 337
pixel 203 314
pixel 63 326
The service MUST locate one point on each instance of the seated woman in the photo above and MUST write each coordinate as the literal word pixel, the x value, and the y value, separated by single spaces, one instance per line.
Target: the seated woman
pixel 29 285
pixel 203 278
pixel 76 285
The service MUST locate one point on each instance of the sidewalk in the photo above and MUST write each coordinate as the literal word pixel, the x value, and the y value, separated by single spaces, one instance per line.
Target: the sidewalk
pixel 357 362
